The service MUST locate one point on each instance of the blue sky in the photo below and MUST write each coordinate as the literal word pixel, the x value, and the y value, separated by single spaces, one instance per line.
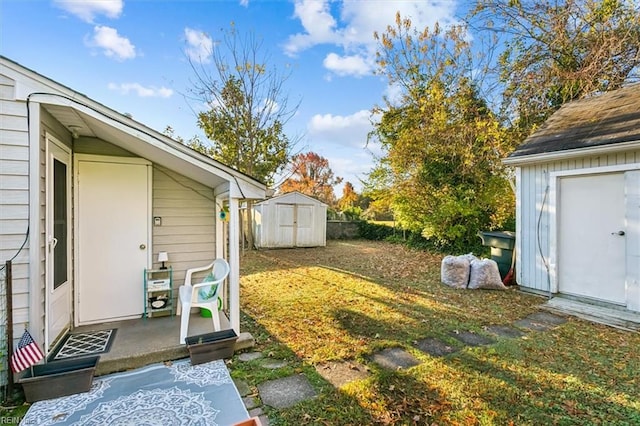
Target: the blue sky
pixel 131 55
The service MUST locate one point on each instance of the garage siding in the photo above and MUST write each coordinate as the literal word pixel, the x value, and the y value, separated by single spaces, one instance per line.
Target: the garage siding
pixel 532 213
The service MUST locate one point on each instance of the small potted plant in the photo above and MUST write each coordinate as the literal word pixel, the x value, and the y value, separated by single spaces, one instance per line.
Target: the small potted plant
pixel 211 346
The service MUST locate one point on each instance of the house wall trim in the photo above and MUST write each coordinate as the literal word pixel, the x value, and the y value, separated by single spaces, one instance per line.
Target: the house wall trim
pixel 35 314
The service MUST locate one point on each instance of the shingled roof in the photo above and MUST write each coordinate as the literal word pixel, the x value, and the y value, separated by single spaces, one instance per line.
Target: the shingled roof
pixel 607 119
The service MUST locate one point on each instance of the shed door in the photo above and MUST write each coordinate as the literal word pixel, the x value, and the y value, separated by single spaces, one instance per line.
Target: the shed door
pixel 304 222
pixel 285 232
pixel 113 237
pixel 591 252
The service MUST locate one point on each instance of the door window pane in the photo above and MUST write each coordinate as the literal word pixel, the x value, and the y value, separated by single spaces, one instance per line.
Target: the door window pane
pixel 60 223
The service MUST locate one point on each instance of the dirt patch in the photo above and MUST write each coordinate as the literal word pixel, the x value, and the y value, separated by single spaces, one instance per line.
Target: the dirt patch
pixel 341 373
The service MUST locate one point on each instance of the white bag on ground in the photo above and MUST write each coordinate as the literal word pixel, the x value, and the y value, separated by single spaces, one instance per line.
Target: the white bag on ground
pixel 484 274
pixel 470 257
pixel 454 271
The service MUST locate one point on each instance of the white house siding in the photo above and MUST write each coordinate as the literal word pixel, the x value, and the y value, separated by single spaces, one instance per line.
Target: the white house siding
pixel 533 181
pixel 187 211
pixel 14 197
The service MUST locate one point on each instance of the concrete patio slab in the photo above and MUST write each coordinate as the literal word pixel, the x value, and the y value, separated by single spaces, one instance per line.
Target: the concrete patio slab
pixel 145 341
pixel 612 316
pixel 286 392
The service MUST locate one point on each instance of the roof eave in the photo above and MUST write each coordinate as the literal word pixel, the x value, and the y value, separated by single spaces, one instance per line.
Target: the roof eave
pixel 545 157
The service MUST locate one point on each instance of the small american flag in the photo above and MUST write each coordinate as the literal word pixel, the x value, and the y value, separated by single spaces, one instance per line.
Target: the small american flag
pixel 27 353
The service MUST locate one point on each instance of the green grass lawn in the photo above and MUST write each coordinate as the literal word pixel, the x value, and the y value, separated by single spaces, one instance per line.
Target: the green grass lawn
pixel 351 299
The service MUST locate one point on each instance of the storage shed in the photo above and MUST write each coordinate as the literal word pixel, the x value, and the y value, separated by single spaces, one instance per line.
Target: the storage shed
pixel 578 202
pixel 290 220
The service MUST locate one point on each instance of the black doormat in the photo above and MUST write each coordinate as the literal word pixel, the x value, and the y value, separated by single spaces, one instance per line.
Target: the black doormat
pixel 83 344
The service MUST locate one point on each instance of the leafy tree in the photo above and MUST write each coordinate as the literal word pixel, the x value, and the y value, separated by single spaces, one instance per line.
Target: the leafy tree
pixel 558 51
pixel 443 145
pixel 194 141
pixel 349 197
pixel 377 192
pixel 311 175
pixel 248 107
pixel 248 110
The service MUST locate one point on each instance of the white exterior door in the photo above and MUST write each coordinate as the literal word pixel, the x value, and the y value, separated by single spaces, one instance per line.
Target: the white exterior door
pixel 285 230
pixel 113 237
pixel 304 225
pixel 58 244
pixel 591 237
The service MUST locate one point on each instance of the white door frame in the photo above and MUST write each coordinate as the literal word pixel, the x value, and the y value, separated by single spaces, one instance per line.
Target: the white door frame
pixel 76 204
pixel 56 150
pixel 633 286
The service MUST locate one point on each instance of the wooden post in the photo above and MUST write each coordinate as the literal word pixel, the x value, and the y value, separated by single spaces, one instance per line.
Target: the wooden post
pixel 9 293
pixel 234 264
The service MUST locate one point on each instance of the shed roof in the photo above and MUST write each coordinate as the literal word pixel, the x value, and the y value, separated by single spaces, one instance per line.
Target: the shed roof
pixel 293 197
pixel 599 121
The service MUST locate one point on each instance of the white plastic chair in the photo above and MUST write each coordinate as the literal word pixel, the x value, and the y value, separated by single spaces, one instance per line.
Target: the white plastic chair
pixel 202 295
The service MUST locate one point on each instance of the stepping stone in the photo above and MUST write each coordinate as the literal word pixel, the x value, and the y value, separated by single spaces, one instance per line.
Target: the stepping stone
pixel 249 356
pixel 242 386
pixel 273 364
pixel 473 339
pixel 505 331
pixel 341 373
pixel 435 347
pixel 540 321
pixel 286 392
pixel 250 402
pixel 395 358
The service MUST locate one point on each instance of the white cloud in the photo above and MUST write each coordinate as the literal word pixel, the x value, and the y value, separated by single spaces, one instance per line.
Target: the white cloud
pixel 355 65
pixel 140 90
pixel 350 24
pixel 319 25
pixel 113 44
pixel 349 130
pixel 393 93
pixel 199 45
pixel 87 10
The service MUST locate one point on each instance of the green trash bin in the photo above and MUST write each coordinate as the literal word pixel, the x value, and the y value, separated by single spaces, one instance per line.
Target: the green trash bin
pixel 502 244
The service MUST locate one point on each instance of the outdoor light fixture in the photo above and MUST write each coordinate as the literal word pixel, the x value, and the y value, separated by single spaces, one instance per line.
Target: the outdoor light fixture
pixel 163 257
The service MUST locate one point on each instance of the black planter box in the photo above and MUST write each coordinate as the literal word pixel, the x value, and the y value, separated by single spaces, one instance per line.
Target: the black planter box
pixel 59 378
pixel 211 346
